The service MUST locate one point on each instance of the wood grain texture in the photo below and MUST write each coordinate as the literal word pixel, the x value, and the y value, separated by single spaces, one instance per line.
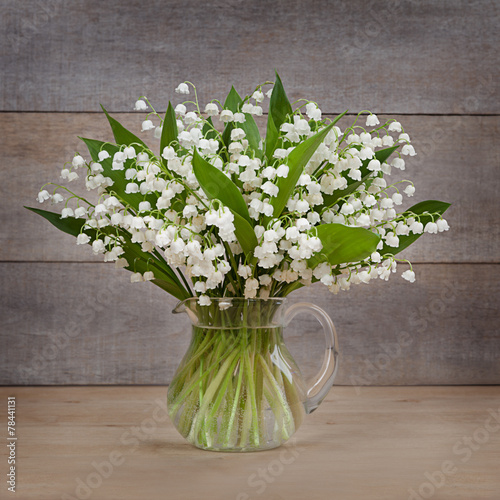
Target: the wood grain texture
pixel 64 323
pixel 389 56
pixel 455 163
pixel 348 448
pixel 84 323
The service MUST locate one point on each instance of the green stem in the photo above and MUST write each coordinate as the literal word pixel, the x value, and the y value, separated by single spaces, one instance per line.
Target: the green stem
pixel 210 393
pixel 234 405
pixel 278 392
pixel 232 379
pixel 251 388
pixel 187 390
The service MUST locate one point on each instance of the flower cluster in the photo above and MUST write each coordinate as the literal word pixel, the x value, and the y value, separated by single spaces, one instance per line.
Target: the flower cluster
pixel 222 212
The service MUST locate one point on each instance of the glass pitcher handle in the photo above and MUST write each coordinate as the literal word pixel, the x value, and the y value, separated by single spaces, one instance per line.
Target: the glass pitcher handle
pixel 322 383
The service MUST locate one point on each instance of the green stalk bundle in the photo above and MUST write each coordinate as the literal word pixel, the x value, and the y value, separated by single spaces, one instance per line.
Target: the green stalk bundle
pixel 237 389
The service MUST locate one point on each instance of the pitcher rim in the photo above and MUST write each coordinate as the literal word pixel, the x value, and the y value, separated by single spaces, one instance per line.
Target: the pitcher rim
pixel 181 305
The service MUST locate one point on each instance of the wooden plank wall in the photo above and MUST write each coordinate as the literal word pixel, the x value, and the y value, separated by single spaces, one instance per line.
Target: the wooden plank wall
pixel 67 318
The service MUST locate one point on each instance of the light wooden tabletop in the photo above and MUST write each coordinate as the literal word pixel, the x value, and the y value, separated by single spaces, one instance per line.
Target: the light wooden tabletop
pixel 369 443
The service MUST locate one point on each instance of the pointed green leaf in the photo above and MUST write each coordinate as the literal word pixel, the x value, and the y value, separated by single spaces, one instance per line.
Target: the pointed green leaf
pixel 382 155
pixel 217 186
pixel 169 130
pixel 136 258
pixel 233 102
pixel 431 207
pixel 69 225
pixel 245 234
pixel 343 244
pixel 171 289
pixel 141 262
pixel 271 138
pixel 279 106
pixel 208 130
pixel 291 287
pixel 296 162
pixel 121 134
pixel 252 134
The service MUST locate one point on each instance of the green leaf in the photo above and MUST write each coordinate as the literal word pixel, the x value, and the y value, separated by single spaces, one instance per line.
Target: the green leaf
pixel 69 225
pixel 343 244
pixel 252 134
pixel 217 186
pixel 429 206
pixel 382 155
pixel 233 100
pixel 169 131
pixel 245 234
pixel 271 138
pixel 233 103
pixel 279 108
pixel 121 134
pixel 330 199
pixel 171 289
pixel 141 262
pixel 291 287
pixel 136 258
pixel 296 162
pixel 209 131
pixel 118 176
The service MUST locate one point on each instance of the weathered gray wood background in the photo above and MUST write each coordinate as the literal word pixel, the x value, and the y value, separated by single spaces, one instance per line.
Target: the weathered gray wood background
pixel 67 318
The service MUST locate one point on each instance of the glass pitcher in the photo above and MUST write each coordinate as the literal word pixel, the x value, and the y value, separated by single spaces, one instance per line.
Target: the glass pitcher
pixel 237 387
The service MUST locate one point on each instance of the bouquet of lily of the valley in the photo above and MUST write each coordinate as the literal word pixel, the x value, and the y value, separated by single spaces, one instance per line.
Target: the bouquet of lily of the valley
pixel 223 212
